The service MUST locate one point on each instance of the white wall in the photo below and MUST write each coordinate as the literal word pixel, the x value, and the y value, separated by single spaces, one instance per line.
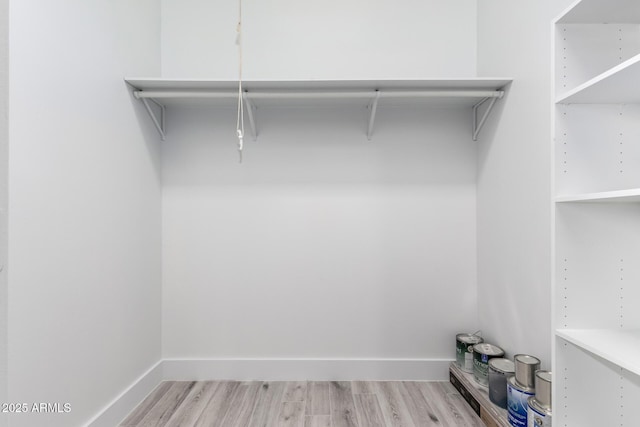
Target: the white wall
pixel 4 152
pixel 321 244
pixel 84 196
pixel 514 178
pixel 331 39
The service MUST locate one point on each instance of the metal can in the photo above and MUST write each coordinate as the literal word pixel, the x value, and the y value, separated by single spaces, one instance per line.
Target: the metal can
pixel 499 370
pixel 543 389
pixel 537 416
pixel 526 367
pixel 464 350
pixel 482 353
pixel 518 402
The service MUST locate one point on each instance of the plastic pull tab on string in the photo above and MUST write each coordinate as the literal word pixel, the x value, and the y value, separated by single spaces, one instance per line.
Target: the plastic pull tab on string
pixel 240 124
pixel 240 143
pixel 240 121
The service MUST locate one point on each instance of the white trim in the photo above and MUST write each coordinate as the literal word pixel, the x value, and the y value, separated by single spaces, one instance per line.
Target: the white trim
pixel 307 369
pixel 121 406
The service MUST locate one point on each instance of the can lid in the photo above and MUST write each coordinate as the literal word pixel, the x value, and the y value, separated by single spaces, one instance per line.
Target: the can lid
pixel 504 366
pixel 544 376
pixel 526 359
pixel 469 338
pixel 488 349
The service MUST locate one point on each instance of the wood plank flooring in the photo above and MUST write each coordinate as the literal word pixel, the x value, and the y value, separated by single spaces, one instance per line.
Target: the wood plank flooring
pixel 303 404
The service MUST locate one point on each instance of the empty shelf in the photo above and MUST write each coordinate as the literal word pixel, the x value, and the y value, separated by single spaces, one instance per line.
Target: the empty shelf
pixel 621 196
pixel 602 12
pixel 620 347
pixel 615 86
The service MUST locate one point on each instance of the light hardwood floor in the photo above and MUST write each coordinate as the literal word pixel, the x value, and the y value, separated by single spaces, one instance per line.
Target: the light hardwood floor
pixel 303 404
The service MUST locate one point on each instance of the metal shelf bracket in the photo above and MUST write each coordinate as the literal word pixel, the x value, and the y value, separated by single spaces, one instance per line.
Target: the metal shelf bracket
pixel 479 124
pixel 251 113
pixel 373 107
pixel 158 122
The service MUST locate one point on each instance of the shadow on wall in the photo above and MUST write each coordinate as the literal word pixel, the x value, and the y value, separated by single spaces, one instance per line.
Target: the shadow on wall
pixel 320 146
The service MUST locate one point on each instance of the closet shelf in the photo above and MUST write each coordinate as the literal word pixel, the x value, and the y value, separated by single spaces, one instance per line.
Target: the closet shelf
pixel 617 85
pixel 620 196
pixel 157 94
pixel 601 12
pixel 618 346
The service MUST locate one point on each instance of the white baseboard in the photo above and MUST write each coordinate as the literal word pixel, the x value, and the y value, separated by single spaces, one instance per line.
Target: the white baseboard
pixel 269 370
pixel 307 369
pixel 122 405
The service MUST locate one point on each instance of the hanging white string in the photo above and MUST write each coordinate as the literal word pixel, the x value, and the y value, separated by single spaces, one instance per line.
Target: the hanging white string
pixel 240 122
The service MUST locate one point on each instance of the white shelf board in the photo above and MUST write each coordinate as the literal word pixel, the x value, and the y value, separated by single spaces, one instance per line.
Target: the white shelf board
pixel 259 90
pixel 155 83
pixel 602 12
pixel 620 196
pixel 619 85
pixel 618 346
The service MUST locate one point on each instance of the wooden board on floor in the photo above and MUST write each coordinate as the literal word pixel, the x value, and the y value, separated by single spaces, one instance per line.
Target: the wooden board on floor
pixel 318 398
pixel 291 414
pixel 477 397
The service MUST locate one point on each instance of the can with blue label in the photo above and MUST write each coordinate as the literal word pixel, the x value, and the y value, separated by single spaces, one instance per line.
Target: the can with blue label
pixel 518 402
pixel 539 413
pixel 482 353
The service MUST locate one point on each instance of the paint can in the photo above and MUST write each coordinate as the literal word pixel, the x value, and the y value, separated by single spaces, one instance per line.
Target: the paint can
pixel 543 389
pixel 539 410
pixel 482 353
pixel 526 367
pixel 499 370
pixel 518 402
pixel 464 350
pixel 537 416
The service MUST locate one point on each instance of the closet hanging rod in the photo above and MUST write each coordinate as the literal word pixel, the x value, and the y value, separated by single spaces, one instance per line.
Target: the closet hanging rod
pixel 156 94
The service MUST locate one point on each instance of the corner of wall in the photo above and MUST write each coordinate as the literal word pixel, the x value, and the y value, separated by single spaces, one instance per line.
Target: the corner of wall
pixel 4 163
pixel 514 163
pixel 85 200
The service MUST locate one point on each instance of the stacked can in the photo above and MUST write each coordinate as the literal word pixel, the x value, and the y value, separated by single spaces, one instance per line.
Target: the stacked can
pixel 482 353
pixel 539 411
pixel 520 388
pixel 464 350
pixel 499 370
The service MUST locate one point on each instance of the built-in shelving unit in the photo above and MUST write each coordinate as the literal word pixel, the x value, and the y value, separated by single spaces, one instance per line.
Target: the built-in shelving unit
pixel 596 288
pixel 479 94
